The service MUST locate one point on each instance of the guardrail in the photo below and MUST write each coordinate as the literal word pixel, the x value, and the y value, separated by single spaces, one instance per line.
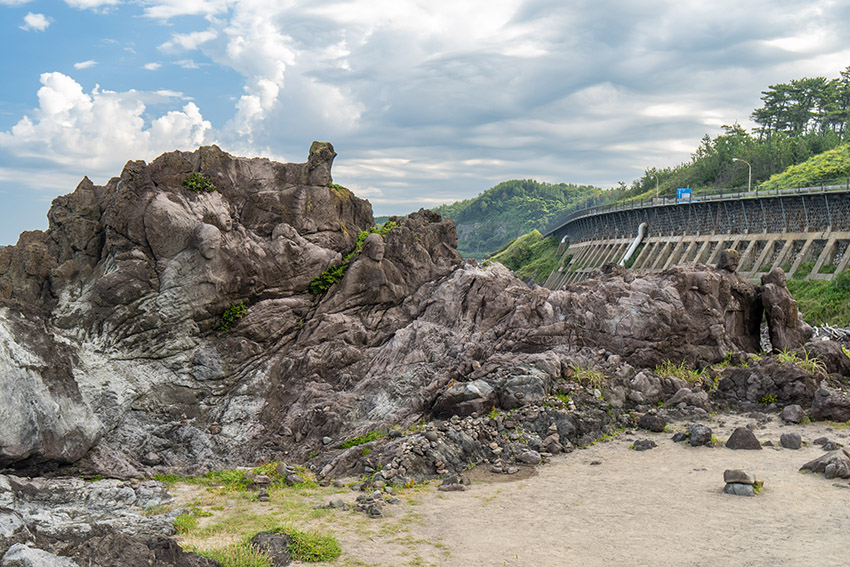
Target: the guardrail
pixel 733 194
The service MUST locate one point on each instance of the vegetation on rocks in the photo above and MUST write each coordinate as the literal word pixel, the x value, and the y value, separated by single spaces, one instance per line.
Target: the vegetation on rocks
pixel 231 315
pixel 324 281
pixel 197 183
pixel 823 301
pixel 362 439
pixel 531 257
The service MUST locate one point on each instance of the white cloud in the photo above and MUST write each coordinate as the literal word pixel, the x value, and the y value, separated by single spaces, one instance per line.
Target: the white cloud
pixel 89 4
pixel 97 132
pixel 151 66
pixel 85 64
pixel 188 41
pixel 166 9
pixel 36 22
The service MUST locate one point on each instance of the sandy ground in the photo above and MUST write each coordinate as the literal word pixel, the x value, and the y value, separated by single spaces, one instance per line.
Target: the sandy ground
pixel 662 507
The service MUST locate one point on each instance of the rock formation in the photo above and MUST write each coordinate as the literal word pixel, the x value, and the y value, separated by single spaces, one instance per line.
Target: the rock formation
pixel 113 355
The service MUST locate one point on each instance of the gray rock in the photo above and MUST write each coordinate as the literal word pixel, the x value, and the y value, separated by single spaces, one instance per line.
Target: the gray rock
pixel 20 555
pixel 644 445
pixel 786 326
pixel 835 464
pixel 830 404
pixel 737 476
pixel 792 413
pixel 529 457
pixel 275 545
pixel 743 438
pixel 739 489
pixel 652 422
pixel 791 440
pixel 699 435
pixel 679 436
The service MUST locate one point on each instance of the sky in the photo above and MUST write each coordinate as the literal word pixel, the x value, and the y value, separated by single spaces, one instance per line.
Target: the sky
pixel 425 101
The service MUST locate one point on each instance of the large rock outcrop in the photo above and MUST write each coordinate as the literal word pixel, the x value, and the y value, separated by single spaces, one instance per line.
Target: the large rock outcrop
pixel 114 357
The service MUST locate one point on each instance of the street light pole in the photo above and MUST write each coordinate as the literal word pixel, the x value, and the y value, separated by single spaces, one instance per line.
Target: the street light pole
pixel 750 177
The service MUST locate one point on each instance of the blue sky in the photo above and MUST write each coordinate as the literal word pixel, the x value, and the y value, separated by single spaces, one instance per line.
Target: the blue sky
pixel 426 102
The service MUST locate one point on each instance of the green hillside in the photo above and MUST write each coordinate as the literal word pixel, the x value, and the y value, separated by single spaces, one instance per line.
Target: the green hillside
pixel 832 165
pixel 531 257
pixel 511 209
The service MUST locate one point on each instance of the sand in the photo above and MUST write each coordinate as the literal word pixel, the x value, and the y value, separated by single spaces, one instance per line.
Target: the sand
pixel 662 507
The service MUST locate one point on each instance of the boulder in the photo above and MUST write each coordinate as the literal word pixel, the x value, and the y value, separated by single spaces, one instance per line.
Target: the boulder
pixel 699 435
pixel 787 329
pixel 792 413
pixel 737 476
pixel 652 422
pixel 791 440
pixel 644 445
pixel 743 438
pixel 830 404
pixel 835 464
pixel 275 546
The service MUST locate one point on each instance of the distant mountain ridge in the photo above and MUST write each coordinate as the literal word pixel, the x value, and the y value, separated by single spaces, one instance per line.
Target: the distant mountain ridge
pixel 510 209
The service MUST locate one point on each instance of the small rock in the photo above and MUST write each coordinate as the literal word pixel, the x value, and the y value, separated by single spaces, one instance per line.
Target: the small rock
pixel 791 440
pixel 451 488
pixel 151 459
pixel 792 414
pixel 652 422
pixel 511 470
pixel 263 495
pixel 529 458
pixel 326 440
pixel 679 436
pixel 699 435
pixel 739 489
pixel 275 545
pixel 743 438
pixel 831 446
pixel 595 463
pixel 431 435
pixel 214 428
pixel 291 479
pixel 644 445
pixel 736 476
pixel 262 480
pixel 820 441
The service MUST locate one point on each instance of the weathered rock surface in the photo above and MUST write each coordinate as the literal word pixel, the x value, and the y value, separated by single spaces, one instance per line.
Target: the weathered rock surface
pixel 787 383
pixel 831 403
pixel 111 357
pixel 70 522
pixel 787 328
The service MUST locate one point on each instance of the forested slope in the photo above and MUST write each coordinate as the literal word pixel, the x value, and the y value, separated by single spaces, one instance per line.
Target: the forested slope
pixel 511 209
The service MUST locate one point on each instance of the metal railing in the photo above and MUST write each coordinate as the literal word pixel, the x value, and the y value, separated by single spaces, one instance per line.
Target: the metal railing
pixel 728 194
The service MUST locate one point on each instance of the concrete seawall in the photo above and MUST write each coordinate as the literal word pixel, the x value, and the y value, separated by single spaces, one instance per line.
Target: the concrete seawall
pixel 806 234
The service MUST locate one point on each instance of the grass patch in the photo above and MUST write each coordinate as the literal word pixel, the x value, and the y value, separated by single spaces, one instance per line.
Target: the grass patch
pixel 311 547
pixel 231 315
pixel 588 377
pixel 354 441
pixel 824 301
pixel 240 554
pixel 682 371
pixel 806 362
pixel 803 270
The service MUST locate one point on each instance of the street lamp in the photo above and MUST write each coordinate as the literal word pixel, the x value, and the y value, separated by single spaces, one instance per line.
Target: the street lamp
pixel 750 177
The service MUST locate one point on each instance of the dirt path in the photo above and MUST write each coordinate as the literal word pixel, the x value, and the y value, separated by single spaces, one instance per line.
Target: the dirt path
pixel 662 507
